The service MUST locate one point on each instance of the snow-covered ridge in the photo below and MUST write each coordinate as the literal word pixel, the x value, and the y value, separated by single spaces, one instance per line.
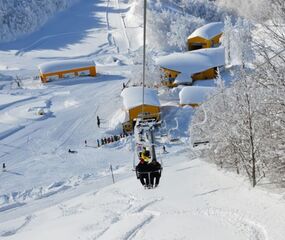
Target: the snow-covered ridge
pixel 19 17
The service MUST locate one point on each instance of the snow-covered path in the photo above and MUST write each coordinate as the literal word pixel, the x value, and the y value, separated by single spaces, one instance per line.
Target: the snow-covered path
pixel 117 33
pixel 34 147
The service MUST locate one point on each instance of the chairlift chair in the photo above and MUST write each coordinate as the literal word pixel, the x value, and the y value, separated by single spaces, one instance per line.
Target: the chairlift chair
pixel 148 172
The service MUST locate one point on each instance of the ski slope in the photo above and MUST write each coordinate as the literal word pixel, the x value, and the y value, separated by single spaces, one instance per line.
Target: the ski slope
pixel 184 206
pixel 48 193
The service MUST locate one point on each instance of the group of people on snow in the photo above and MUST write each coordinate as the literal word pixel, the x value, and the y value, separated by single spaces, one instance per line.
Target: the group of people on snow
pixel 148 170
pixel 110 139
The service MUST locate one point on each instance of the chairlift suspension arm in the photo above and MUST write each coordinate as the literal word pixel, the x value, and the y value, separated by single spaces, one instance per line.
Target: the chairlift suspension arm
pixel 144 55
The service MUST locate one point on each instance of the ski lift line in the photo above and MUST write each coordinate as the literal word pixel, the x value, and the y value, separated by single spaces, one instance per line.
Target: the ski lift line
pixel 123 25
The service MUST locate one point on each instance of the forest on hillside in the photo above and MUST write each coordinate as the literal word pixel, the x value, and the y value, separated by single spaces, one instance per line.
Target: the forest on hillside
pixel 19 17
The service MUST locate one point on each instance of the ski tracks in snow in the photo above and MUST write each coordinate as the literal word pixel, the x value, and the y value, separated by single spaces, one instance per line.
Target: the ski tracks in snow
pixel 126 224
pixel 15 229
pixel 117 34
pixel 244 224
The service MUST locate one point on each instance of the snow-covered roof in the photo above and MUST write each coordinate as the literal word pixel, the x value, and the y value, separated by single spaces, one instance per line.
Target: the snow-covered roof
pixel 194 94
pixel 183 78
pixel 132 97
pixel 192 62
pixel 208 31
pixel 63 65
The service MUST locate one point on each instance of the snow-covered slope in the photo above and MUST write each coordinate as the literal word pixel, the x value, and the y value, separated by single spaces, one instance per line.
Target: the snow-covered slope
pixel 49 193
pixel 194 201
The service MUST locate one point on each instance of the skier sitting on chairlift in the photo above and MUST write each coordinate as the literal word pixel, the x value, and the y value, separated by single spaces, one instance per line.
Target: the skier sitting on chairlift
pixel 145 155
pixel 148 171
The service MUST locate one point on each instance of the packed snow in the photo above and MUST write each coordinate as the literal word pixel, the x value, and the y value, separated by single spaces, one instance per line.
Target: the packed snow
pixel 195 94
pixel 49 192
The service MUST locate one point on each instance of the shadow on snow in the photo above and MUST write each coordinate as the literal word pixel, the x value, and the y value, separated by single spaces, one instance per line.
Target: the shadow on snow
pixel 73 28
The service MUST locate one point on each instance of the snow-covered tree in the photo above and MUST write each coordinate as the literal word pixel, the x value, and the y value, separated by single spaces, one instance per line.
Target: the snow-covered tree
pixel 227 38
pixel 180 29
pixel 251 9
pixel 18 17
pixel 152 71
pixel 242 50
pixel 237 40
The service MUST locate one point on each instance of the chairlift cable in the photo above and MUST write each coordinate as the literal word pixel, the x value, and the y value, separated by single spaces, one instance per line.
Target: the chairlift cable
pixel 144 56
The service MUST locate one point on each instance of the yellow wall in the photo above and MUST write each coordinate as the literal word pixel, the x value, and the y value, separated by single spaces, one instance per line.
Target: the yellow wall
pixel 92 72
pixel 192 42
pixel 208 74
pixel 169 77
pixel 193 105
pixel 169 82
pixel 216 40
pixel 153 110
pixel 205 43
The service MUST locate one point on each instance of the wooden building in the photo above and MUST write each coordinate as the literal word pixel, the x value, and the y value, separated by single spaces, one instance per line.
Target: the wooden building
pixel 66 69
pixel 206 36
pixel 184 68
pixel 133 105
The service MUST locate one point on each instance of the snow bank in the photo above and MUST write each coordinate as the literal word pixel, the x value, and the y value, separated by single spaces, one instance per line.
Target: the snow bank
pixel 37 110
pixel 8 200
pixel 176 122
pixel 183 78
pixel 194 94
pixel 192 62
pixel 208 31
pixel 133 97
pixel 57 66
pixel 118 118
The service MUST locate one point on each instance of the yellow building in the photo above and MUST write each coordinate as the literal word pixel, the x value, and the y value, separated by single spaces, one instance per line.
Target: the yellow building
pixel 206 36
pixel 66 69
pixel 135 107
pixel 168 77
pixel 184 68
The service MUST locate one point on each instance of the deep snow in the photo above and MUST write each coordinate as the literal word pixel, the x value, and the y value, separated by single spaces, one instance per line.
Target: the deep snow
pixel 48 193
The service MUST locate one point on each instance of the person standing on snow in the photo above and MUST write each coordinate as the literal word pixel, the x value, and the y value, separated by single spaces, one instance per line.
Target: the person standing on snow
pixel 4 167
pixel 98 121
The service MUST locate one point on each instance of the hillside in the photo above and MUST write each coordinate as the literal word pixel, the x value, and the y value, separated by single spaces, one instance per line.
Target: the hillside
pixel 47 192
